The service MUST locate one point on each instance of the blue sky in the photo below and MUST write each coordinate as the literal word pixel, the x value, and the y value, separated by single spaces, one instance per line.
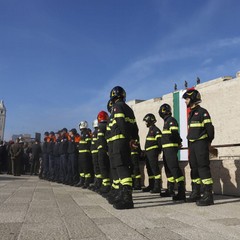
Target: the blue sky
pixel 59 59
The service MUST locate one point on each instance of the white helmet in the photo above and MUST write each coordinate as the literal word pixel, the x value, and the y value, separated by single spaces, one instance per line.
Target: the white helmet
pixel 95 123
pixel 83 124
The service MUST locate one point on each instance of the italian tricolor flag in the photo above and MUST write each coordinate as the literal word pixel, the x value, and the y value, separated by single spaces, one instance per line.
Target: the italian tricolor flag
pixel 180 112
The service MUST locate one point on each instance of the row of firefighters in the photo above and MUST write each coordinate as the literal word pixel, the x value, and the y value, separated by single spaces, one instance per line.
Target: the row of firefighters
pixel 107 159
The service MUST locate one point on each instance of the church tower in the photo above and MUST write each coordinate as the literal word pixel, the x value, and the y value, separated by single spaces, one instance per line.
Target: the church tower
pixel 2 119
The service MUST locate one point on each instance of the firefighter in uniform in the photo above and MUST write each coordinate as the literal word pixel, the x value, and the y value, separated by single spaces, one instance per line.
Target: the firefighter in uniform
pixel 84 156
pixel 200 136
pixel 153 148
pixel 94 151
pixel 124 135
pixel 171 142
pixel 115 187
pixel 103 157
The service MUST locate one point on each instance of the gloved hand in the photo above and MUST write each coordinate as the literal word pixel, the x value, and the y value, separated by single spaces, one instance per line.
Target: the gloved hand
pixel 133 144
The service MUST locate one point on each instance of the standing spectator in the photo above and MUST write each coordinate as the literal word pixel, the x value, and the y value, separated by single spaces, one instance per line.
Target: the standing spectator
pixel 1 156
pixel 16 154
pixel 36 154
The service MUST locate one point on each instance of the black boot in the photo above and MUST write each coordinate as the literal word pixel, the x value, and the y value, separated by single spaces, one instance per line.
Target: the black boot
pixel 112 195
pixel 137 184
pixel 87 182
pixel 124 200
pixel 81 182
pixel 181 196
pixel 149 187
pixel 157 186
pixel 169 192
pixel 207 198
pixel 195 195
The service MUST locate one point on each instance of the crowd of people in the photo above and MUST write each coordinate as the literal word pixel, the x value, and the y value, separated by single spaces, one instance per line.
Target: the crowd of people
pixel 107 158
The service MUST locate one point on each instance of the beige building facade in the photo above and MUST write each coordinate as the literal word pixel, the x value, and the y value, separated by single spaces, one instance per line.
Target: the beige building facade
pixel 222 99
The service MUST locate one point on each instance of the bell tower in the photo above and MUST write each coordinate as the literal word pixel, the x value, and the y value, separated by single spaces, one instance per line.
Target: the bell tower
pixel 2 119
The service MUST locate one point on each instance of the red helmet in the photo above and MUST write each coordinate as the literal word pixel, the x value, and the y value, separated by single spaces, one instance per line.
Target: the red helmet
pixel 102 117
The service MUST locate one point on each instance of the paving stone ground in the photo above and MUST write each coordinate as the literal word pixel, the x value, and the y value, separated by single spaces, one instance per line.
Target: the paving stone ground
pixel 34 209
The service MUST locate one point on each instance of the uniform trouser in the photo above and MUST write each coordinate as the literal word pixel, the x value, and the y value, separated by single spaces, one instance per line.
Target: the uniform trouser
pixel 51 166
pixel 57 167
pixel 135 164
pixel 104 163
pixel 45 165
pixel 72 167
pixel 199 159
pixel 96 167
pixel 35 165
pixel 63 167
pixel 16 166
pixel 171 163
pixel 85 163
pixel 152 159
pixel 122 160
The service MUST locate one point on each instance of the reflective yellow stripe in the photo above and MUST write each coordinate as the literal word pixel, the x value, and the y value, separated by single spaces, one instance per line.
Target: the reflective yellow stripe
pixel 81 174
pixel 87 139
pixel 158 136
pixel 202 137
pixel 138 176
pixel 167 145
pixel 94 151
pixel 157 177
pixel 150 177
pixel 150 148
pixel 207 181
pixel 150 138
pixel 98 175
pixel 81 151
pixel 171 179
pixel 100 147
pixel 166 132
pixel 173 128
pixel 100 134
pixel 87 175
pixel 180 179
pixel 120 136
pixel 126 181
pixel 127 119
pixel 196 125
pixel 83 142
pixel 134 153
pixel 116 181
pixel 94 139
pixel 197 180
pixel 119 115
pixel 207 121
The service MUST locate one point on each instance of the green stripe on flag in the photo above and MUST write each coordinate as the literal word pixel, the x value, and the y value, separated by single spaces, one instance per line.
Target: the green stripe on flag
pixel 176 112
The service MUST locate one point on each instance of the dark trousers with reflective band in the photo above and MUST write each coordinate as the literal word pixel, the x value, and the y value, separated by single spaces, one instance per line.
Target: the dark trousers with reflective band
pixel 104 163
pixel 152 161
pixel 171 163
pixel 122 159
pixel 95 163
pixel 85 164
pixel 135 164
pixel 199 159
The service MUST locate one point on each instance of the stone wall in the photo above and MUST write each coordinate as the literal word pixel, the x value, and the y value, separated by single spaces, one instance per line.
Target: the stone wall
pixel 221 98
